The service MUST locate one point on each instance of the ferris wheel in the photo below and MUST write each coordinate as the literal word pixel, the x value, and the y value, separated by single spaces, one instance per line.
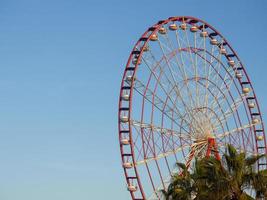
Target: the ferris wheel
pixel 184 94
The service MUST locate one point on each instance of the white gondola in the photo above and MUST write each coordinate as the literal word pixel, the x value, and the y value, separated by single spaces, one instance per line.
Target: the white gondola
pixel 162 30
pixel 126 97
pixel 146 48
pixel 246 90
pixel 251 105
pixel 135 61
pixel 129 78
pixel 260 137
pixel 125 141
pixel 183 26
pixel 124 119
pixel 132 188
pixel 255 121
pixel 194 29
pixel 238 75
pixel 204 34
pixel 213 41
pixel 154 37
pixel 223 51
pixel 127 165
pixel 231 63
pixel 173 27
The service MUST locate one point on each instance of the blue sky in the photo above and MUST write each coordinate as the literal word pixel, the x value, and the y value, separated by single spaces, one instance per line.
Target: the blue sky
pixel 61 63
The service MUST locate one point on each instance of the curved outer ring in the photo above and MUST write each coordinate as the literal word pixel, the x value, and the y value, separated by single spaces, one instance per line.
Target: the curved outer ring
pixel 146 37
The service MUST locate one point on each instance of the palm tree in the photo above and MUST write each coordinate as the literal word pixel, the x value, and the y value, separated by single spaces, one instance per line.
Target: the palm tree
pixel 259 183
pixel 181 186
pixel 241 171
pixel 211 179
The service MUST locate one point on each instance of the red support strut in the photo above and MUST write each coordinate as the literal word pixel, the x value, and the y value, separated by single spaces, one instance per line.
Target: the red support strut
pixel 212 147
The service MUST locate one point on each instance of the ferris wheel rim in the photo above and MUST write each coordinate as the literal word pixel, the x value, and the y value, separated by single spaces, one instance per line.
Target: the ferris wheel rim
pixel 146 37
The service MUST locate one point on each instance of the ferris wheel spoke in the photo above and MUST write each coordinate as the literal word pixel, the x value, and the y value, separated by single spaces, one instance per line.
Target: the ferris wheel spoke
pixel 139 151
pixel 193 63
pixel 216 62
pixel 198 72
pixel 162 155
pixel 231 110
pixel 221 94
pixel 160 104
pixel 213 69
pixel 216 78
pixel 212 73
pixel 181 67
pixel 185 82
pixel 175 87
pixel 230 74
pixel 209 115
pixel 209 73
pixel 195 150
pixel 217 102
pixel 158 140
pixel 206 71
pixel 149 147
pixel 222 115
pixel 161 130
pixel 235 105
pixel 216 69
pixel 225 85
pixel 237 130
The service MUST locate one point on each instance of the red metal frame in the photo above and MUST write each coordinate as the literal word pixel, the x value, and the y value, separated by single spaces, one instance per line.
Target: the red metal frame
pixel 212 147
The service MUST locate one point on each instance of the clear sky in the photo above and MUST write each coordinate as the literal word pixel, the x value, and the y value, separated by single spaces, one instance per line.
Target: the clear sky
pixel 61 63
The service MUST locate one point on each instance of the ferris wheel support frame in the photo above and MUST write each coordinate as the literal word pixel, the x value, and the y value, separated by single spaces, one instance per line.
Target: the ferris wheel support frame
pixel 128 153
